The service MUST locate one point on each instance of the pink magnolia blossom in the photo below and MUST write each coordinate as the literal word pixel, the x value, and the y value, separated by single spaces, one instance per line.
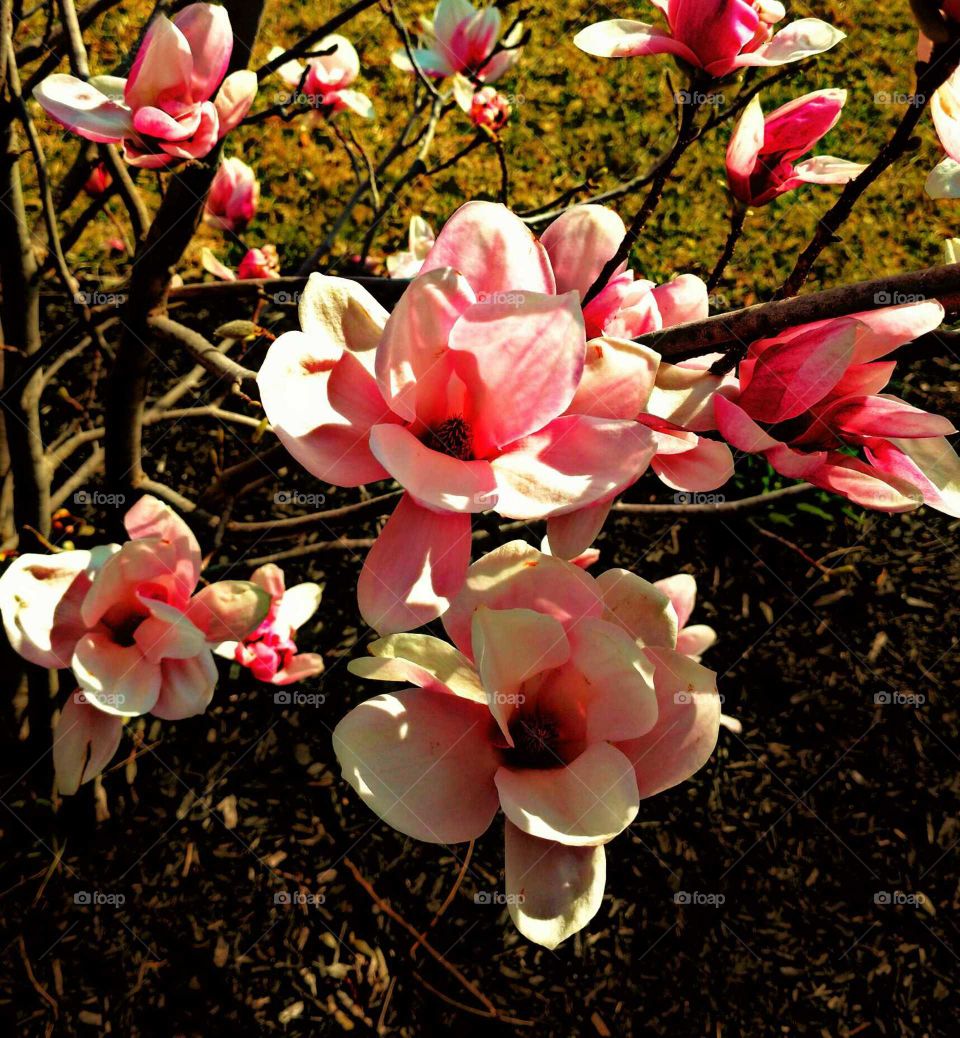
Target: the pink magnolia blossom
pixel 98 181
pixel 163 112
pixel 473 396
pixel 462 39
pixel 234 194
pixel 130 624
pixel 489 109
pixel 256 263
pixel 715 35
pixel 807 396
pixel 565 703
pixel 762 156
pixel 326 80
pixel 620 375
pixel 269 651
pixel 420 239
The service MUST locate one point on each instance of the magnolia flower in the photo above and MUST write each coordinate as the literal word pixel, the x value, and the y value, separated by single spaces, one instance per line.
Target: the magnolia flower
pixel 814 391
pixel 944 179
pixel 232 201
pixel 98 181
pixel 565 703
pixel 256 263
pixel 326 79
pixel 462 39
pixel 695 639
pixel 269 651
pixel 420 239
pixel 489 109
pixel 472 396
pixel 763 152
pixel 162 113
pixel 129 623
pixel 715 35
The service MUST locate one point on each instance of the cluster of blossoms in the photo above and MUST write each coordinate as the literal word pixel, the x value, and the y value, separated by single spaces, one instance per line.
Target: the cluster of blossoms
pixel 129 622
pixel 564 701
pixel 234 196
pixel 326 80
pixel 163 112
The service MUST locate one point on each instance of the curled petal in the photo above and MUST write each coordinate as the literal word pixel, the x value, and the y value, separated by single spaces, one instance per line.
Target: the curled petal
pixel 186 687
pixel 624 38
pixel 800 39
pixel 642 609
pixel 83 109
pixel 84 742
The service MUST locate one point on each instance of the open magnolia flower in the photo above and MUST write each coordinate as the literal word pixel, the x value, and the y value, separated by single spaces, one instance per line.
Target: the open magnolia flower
pixel 130 624
pixel 420 239
pixel 762 156
pixel 162 113
pixel 233 197
pixel 565 703
pixel 256 263
pixel 269 651
pixel 463 39
pixel 810 394
pixel 478 393
pixel 326 79
pixel 715 35
pixel 944 179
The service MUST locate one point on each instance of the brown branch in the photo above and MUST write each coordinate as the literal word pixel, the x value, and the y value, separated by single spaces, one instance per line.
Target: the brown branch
pixel 202 351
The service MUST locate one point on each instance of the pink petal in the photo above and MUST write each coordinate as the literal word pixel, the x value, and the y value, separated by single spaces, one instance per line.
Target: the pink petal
pixel 234 99
pixel 788 379
pixel 186 687
pixel 624 38
pixel 858 482
pixel 681 589
pixel 553 890
pixel 579 243
pixel 530 352
pixel 270 578
pixel 84 742
pixel 517 576
pixel 744 149
pixel 715 30
pixel 202 142
pixel 300 667
pixel 155 122
pixel 685 394
pixel 83 109
pixel 586 803
pixel 801 39
pixel 618 378
pixel 228 610
pixel 694 640
pixel 708 466
pixel 117 679
pixel 825 169
pixel 511 646
pixel 574 461
pixel 945 109
pixel 681 300
pixel 868 416
pixel 167 634
pixel 688 723
pixel 864 379
pixel 494 250
pixel 415 338
pixel 642 609
pixel 570 534
pixel 417 563
pixel 423 762
pixel 163 67
pixel 435 480
pixel 739 429
pixel 207 30
pixel 421 660
pixel 931 465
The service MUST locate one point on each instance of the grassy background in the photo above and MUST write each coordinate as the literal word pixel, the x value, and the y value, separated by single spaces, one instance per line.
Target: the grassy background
pixel 576 115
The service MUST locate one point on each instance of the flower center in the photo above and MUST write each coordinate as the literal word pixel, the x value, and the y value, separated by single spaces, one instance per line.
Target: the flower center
pixel 452 438
pixel 536 743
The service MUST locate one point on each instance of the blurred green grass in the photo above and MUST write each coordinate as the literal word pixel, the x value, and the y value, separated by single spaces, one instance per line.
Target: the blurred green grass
pixel 574 116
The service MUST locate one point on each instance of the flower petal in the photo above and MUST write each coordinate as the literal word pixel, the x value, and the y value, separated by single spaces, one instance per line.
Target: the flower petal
pixel 579 243
pixel 800 39
pixel 84 742
pixel 234 99
pixel 421 660
pixel 618 378
pixel 207 30
pixel 625 38
pixel 553 890
pixel 569 535
pixel 642 609
pixel 586 803
pixel 117 679
pixel 83 109
pixel 930 464
pixel 163 67
pixel 424 762
pixel 228 610
pixel 186 687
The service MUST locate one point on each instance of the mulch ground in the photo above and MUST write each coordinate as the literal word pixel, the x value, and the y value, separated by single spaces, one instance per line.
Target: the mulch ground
pixel 226 881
